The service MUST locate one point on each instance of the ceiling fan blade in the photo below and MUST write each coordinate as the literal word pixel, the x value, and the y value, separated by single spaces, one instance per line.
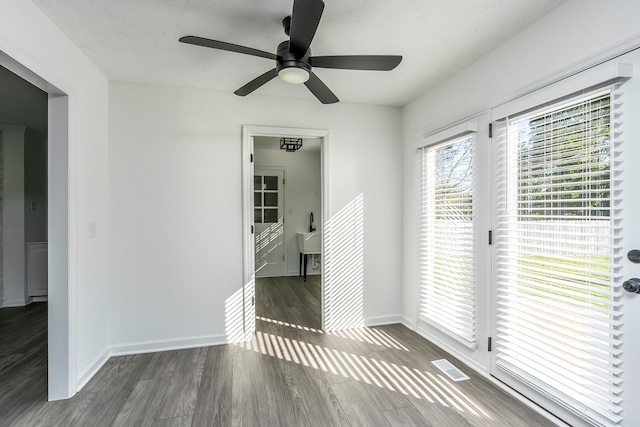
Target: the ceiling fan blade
pixel 320 90
pixel 357 62
pixel 304 23
pixel 215 44
pixel 256 83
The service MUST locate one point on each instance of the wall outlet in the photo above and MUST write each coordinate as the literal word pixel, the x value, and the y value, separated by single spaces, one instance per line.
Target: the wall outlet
pixel 33 206
pixel 92 229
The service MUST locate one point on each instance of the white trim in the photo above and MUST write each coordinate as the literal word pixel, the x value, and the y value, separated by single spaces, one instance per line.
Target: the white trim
pixel 383 320
pixel 16 303
pixel 309 273
pixel 61 191
pixel 599 75
pixel 451 132
pixel 409 323
pixel 16 67
pixel 93 368
pixel 141 347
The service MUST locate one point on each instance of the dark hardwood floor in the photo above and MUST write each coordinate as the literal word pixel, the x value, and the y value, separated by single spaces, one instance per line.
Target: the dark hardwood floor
pixel 23 360
pixel 290 374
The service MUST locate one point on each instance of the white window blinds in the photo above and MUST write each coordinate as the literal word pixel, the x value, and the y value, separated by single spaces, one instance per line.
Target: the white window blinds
pixel 556 237
pixel 446 238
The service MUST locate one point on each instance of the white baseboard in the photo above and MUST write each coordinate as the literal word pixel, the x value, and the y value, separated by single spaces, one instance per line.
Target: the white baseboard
pixel 92 369
pixel 17 303
pixel 41 299
pixel 309 273
pixel 145 347
pixel 408 322
pixel 383 320
pixel 168 344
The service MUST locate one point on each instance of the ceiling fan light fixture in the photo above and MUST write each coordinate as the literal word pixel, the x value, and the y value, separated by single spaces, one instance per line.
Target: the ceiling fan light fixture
pixel 293 75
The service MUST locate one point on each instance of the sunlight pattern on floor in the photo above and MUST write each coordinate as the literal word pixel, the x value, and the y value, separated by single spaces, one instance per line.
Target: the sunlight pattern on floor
pixel 418 383
pixel 369 335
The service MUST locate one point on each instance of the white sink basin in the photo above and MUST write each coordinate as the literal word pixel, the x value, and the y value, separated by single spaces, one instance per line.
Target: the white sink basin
pixel 309 243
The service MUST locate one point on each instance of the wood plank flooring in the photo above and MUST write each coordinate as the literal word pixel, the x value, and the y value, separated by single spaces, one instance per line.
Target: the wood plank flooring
pixel 290 374
pixel 23 360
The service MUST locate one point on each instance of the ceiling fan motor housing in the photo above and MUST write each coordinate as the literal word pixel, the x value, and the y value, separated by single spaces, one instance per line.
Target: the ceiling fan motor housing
pixel 286 59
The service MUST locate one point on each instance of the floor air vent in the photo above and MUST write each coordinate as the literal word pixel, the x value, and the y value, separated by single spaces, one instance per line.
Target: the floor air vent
pixel 452 372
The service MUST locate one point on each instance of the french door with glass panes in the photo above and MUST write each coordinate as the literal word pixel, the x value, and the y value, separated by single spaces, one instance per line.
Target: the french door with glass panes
pixel 557 229
pixel 268 208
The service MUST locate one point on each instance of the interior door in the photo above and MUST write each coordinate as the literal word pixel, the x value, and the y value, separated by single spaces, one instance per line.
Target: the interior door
pixel 558 256
pixel 268 208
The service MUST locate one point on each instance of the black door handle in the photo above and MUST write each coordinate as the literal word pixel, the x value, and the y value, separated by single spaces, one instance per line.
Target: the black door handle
pixel 632 285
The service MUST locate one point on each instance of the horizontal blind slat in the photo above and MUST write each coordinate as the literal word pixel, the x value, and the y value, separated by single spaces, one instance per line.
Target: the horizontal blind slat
pixel 446 238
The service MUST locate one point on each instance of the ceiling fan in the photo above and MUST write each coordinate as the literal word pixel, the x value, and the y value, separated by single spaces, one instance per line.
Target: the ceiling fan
pixel 293 58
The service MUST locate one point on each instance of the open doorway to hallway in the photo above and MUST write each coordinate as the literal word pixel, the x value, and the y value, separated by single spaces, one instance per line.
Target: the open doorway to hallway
pixel 54 205
pixel 23 243
pixel 287 213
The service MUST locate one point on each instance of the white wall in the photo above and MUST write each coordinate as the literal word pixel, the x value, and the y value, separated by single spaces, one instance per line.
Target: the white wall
pixel 29 38
pixel 302 195
pixel 175 203
pixel 557 45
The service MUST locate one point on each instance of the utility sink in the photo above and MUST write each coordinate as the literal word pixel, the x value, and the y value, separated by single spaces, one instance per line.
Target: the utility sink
pixel 309 243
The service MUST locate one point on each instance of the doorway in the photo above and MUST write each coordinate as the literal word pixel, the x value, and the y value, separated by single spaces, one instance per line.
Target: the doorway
pixel 288 251
pixel 61 375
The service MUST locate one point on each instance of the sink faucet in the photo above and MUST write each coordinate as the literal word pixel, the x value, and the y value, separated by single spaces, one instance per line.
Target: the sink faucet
pixel 312 226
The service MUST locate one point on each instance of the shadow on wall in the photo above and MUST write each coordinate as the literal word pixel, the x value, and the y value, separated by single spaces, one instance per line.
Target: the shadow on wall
pixel 344 267
pixel 237 322
pixel 344 278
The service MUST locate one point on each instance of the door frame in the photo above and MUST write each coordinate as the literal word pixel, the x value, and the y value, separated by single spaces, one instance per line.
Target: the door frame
pixel 61 234
pixel 248 256
pixel 283 206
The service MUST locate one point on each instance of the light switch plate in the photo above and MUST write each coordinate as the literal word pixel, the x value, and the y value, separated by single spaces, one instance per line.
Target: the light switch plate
pixel 92 229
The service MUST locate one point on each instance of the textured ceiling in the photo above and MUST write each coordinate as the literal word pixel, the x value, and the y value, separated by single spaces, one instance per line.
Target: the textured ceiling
pixel 137 40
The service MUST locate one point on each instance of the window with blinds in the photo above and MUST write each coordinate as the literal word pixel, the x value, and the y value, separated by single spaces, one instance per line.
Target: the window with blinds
pixel 556 237
pixel 446 238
